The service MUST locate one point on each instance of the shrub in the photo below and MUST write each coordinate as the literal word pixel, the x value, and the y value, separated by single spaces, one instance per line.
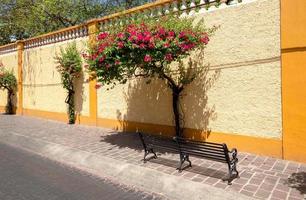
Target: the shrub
pixel 8 82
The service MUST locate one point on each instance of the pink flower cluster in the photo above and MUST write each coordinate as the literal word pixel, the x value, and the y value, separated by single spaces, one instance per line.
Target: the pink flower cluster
pixel 153 43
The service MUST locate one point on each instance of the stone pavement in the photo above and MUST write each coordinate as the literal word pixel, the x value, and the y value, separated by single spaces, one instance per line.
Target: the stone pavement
pixel 260 177
pixel 27 176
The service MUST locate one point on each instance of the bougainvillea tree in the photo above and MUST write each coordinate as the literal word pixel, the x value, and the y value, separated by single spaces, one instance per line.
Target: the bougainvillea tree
pixel 147 48
pixel 70 67
pixel 8 82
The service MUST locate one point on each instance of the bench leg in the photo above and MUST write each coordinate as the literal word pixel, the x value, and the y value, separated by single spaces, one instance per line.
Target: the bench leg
pixel 233 172
pixel 183 158
pixel 187 158
pixel 146 153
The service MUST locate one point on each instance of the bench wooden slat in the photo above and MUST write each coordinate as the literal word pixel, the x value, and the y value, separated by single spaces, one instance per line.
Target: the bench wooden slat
pixel 202 147
pixel 200 154
pixel 199 142
pixel 204 151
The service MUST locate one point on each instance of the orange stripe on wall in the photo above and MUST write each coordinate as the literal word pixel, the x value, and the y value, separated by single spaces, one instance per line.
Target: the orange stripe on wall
pixel 293 44
pixel 257 145
pixel 2 109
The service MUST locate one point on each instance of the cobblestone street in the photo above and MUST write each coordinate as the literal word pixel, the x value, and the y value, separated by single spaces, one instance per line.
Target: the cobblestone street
pixel 24 175
pixel 260 177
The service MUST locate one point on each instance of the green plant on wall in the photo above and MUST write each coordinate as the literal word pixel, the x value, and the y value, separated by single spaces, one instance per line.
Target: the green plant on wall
pixel 8 82
pixel 146 48
pixel 70 67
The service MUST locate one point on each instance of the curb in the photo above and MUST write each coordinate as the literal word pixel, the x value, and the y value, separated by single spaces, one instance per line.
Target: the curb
pixel 172 187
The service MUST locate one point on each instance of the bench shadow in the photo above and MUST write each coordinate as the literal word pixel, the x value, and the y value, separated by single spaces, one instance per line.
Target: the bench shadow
pixel 132 140
pixel 197 169
pixel 298 181
pixel 126 140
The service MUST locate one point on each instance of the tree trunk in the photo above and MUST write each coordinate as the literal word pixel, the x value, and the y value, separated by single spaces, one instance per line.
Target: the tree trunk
pixel 70 101
pixel 71 109
pixel 10 105
pixel 176 111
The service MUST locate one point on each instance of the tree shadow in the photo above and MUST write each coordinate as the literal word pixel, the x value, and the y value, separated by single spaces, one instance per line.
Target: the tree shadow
pixel 298 181
pixel 149 110
pixel 123 140
pixel 79 94
pixel 149 106
pixel 197 169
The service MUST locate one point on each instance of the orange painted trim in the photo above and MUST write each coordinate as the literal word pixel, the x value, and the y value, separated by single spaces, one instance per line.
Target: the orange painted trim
pixel 62 117
pixel 56 32
pixel 8 45
pixel 133 10
pixel 257 145
pixel 108 17
pixel 2 109
pixel 93 97
pixel 20 49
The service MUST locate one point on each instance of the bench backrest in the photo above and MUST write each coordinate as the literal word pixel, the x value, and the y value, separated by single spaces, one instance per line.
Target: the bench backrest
pixel 209 150
pixel 159 142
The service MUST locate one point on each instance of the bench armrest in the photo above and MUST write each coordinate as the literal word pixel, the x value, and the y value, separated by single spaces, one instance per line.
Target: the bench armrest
pixel 233 155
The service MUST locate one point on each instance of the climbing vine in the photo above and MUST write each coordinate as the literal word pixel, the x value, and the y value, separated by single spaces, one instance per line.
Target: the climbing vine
pixel 70 68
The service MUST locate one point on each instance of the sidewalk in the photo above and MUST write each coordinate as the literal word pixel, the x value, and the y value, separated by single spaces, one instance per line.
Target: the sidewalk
pixel 121 154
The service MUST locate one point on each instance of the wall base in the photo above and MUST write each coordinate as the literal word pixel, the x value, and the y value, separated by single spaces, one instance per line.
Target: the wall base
pixel 256 145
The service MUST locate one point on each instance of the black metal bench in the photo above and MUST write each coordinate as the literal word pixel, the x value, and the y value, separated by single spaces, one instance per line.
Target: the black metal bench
pixel 185 148
pixel 151 143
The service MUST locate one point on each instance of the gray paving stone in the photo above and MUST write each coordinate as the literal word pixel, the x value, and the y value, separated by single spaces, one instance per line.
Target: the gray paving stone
pixel 256 170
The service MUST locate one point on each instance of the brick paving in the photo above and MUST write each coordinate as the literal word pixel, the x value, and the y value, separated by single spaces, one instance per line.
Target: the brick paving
pixel 260 177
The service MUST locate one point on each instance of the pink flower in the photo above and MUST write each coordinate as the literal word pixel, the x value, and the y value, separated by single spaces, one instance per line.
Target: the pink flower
pixel 168 57
pixel 140 37
pixel 147 36
pixel 204 39
pixel 102 36
pixel 161 31
pixel 131 28
pixel 102 59
pixel 117 62
pixel 182 34
pixel 171 33
pixel 121 36
pixel 166 45
pixel 187 46
pixel 97 86
pixel 147 58
pixel 151 45
pixel 120 45
pixel 142 46
pixel 94 57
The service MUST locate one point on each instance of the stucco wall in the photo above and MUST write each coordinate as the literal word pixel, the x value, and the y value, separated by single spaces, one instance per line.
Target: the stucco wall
pixel 10 62
pixel 42 83
pixel 242 94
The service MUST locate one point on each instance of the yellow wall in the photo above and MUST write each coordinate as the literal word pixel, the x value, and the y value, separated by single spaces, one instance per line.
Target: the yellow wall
pixel 240 93
pixel 42 86
pixel 238 98
pixel 293 29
